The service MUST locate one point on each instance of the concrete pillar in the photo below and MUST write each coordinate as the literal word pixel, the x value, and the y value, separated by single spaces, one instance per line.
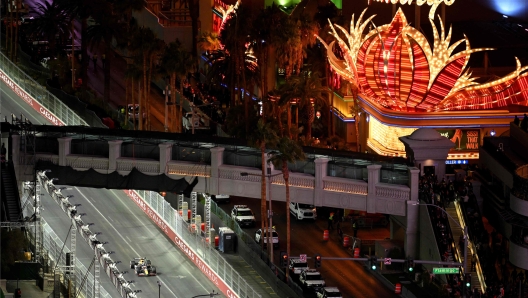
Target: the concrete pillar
pixel 114 152
pixel 321 170
pixel 64 150
pixel 373 179
pixel 165 156
pixel 414 181
pixel 217 159
pixel 411 232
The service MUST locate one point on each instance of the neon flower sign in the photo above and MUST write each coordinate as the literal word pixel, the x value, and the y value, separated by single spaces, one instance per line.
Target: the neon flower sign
pixel 394 66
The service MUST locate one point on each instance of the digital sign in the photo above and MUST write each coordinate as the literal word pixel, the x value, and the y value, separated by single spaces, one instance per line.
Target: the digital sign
pixel 456 162
pixel 464 139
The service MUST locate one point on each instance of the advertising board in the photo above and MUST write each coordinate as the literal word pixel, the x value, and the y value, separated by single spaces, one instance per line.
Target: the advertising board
pixel 30 100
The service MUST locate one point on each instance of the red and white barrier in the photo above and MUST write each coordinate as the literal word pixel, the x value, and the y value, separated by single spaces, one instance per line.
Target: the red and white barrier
pixel 31 101
pixel 186 249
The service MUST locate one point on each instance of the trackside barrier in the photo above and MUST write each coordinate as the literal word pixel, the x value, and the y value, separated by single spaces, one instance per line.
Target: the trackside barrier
pixel 52 245
pixel 206 258
pixel 35 95
pixel 91 287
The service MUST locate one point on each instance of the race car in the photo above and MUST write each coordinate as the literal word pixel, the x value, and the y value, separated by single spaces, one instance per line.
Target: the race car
pixel 143 267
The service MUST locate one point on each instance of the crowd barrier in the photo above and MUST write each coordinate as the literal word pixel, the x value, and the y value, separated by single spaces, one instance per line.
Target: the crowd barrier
pixel 36 95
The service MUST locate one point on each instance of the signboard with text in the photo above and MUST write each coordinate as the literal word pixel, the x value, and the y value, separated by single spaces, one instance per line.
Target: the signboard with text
pixel 464 139
pixel 30 100
pixel 446 270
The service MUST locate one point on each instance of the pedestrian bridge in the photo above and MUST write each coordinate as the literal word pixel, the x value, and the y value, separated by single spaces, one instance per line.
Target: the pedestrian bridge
pixel 158 161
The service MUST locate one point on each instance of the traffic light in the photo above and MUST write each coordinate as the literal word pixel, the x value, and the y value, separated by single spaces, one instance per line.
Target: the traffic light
pixel 18 293
pixel 468 280
pixel 318 259
pixel 410 265
pixel 373 262
pixel 283 259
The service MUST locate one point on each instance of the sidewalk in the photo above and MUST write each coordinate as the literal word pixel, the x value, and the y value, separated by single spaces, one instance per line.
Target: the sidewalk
pixel 29 288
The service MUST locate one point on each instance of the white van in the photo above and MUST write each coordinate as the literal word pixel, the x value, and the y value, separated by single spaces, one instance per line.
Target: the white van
pixel 303 211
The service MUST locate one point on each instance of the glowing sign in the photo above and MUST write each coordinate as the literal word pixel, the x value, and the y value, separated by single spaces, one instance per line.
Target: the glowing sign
pixel 456 162
pixel 463 139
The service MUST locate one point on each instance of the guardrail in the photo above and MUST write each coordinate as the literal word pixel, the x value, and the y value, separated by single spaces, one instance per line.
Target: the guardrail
pixel 36 95
pixel 195 247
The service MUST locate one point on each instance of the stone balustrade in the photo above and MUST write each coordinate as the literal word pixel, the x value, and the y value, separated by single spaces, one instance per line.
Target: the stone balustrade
pixel 218 178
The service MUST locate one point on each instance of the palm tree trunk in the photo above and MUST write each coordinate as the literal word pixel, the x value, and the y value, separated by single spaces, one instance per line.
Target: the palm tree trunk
pixel 16 31
pixel 180 116
pixel 356 124
pixel 127 89
pixel 286 176
pixel 133 105
pixel 12 23
pixel 107 72
pixel 142 102
pixel 263 217
pixel 151 58
pixel 84 53
pixel 289 111
pixel 331 117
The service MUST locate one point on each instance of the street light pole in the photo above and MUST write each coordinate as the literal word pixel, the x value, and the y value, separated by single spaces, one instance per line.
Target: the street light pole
pixel 159 289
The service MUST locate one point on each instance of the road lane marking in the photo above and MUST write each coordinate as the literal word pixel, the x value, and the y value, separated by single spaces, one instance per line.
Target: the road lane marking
pixel 172 244
pixel 130 246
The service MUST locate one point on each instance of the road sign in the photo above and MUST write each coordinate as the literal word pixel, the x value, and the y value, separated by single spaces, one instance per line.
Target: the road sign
pixel 302 258
pixel 387 261
pixel 446 270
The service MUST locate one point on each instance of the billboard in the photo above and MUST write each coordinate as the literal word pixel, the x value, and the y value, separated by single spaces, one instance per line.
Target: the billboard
pixel 464 139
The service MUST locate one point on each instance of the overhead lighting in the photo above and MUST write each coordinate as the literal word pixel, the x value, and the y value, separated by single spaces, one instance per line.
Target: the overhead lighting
pixel 493 133
pixel 504 16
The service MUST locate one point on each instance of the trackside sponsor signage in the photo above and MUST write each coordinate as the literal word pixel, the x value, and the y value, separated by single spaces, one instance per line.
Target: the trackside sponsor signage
pixel 30 101
pixel 182 245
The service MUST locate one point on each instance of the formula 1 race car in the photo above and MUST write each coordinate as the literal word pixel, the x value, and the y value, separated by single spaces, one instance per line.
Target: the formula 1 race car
pixel 142 267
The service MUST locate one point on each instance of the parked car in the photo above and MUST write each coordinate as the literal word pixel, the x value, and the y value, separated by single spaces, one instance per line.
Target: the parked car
pixel 311 278
pixel 262 236
pixel 243 216
pixel 303 211
pixel 297 266
pixel 219 198
pixel 328 292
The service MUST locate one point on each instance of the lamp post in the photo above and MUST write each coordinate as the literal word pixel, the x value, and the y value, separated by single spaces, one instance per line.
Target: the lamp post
pixel 270 209
pixel 159 289
pixel 463 228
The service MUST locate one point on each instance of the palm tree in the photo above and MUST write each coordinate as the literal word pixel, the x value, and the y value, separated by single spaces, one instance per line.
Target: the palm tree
pixel 177 63
pixel 156 49
pixel 185 64
pixel 355 110
pixel 209 42
pixel 105 29
pixel 288 152
pixel 262 136
pixel 141 44
pixel 308 90
pixel 132 74
pixel 52 21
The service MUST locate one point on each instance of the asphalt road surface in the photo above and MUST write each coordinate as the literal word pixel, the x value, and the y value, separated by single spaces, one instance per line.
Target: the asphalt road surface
pixel 352 278
pixel 130 233
pixel 10 103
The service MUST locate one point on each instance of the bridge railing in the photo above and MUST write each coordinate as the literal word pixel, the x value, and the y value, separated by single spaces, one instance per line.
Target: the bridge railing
pixel 18 80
